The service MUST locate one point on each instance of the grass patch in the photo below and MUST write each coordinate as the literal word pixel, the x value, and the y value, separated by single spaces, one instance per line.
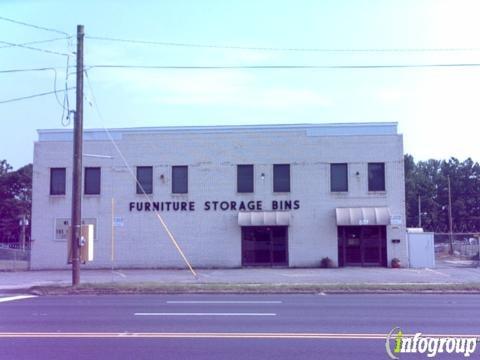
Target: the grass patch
pixel 209 288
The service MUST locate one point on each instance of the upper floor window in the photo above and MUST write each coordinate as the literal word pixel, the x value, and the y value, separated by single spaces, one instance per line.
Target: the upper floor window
pixel 281 178
pixel 92 181
pixel 338 177
pixel 244 178
pixel 179 179
pixel 144 179
pixel 376 176
pixel 57 181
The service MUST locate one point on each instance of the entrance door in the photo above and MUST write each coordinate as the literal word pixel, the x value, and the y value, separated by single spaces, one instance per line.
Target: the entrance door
pixel 264 246
pixel 362 246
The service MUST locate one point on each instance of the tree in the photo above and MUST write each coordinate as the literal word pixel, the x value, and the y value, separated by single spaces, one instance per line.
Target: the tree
pixel 15 200
pixel 427 181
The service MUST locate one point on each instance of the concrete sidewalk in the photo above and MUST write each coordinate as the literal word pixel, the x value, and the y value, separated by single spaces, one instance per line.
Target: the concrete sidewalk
pixel 279 276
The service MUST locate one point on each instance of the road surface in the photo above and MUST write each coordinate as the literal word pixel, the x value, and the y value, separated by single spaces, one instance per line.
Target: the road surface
pixel 226 326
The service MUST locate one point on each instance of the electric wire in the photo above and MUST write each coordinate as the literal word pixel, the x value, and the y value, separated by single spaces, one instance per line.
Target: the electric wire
pixel 33 48
pixel 9 71
pixel 278 49
pixel 94 104
pixel 33 96
pixel 280 67
pixel 34 42
pixel 38 27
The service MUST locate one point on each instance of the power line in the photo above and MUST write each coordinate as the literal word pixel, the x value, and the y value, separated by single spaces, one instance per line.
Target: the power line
pixel 38 27
pixel 281 67
pixel 34 42
pixel 278 49
pixel 9 71
pixel 33 48
pixel 130 170
pixel 34 95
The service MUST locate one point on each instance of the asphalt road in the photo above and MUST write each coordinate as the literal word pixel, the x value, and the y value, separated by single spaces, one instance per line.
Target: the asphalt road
pixel 226 326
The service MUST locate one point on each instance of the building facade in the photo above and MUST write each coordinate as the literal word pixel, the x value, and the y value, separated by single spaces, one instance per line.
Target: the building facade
pixel 231 196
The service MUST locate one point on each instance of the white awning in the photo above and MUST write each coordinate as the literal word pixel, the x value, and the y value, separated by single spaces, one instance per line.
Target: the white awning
pixel 263 218
pixel 363 216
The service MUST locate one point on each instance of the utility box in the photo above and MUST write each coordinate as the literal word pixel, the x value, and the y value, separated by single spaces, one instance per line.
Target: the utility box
pixel 86 249
pixel 421 249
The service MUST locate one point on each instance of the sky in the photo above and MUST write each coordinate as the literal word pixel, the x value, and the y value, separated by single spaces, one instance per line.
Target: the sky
pixel 436 108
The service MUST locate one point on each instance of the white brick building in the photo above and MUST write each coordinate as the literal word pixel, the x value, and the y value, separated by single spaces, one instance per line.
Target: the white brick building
pixel 275 195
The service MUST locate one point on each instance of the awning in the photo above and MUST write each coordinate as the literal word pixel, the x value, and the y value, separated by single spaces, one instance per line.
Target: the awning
pixel 363 216
pixel 263 218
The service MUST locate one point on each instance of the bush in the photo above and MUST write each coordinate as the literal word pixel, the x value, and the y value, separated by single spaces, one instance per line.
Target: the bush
pixel 395 263
pixel 327 263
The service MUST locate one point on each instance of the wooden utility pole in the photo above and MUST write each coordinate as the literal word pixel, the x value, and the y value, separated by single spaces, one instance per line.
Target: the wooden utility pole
pixel 76 222
pixel 450 221
pixel 419 211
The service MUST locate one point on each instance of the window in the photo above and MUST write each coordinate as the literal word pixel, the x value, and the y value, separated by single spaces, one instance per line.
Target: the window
pixel 376 176
pixel 338 177
pixel 244 178
pixel 144 179
pixel 57 181
pixel 281 178
pixel 92 181
pixel 179 179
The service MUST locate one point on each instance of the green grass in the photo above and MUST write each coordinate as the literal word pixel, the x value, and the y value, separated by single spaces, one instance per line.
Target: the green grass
pixel 155 288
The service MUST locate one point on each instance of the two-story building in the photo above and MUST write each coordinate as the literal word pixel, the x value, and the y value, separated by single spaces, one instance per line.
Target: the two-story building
pixel 232 196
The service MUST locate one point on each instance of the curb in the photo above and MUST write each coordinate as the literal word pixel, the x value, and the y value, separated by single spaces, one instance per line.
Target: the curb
pixel 209 288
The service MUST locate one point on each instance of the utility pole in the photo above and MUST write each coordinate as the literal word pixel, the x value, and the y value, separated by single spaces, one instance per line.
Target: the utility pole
pixel 76 222
pixel 23 222
pixel 419 211
pixel 450 223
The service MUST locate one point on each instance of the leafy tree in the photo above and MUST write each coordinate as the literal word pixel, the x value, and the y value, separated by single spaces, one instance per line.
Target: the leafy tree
pixel 427 182
pixel 15 200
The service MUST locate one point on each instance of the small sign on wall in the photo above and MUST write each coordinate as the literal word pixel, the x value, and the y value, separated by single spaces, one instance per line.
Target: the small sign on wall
pixel 61 228
pixel 396 220
pixel 118 221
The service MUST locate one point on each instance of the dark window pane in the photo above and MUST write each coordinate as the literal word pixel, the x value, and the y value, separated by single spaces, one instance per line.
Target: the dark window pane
pixel 92 180
pixel 338 177
pixel 57 181
pixel 281 178
pixel 179 179
pixel 376 177
pixel 144 179
pixel 245 178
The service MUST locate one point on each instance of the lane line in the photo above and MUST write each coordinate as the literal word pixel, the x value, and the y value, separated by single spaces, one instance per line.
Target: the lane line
pixel 126 335
pixel 205 314
pixel 16 297
pixel 224 302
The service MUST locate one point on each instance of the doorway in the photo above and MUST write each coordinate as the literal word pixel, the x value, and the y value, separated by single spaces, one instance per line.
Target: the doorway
pixel 362 246
pixel 264 246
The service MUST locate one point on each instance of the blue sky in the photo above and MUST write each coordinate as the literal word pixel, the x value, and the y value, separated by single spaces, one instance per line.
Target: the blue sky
pixel 437 109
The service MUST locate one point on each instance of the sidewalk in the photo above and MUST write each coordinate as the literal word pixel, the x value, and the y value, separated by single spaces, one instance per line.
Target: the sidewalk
pixel 357 277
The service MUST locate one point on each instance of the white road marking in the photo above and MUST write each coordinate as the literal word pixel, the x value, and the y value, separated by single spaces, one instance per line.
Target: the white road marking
pixel 119 274
pixel 17 297
pixel 223 302
pixel 205 314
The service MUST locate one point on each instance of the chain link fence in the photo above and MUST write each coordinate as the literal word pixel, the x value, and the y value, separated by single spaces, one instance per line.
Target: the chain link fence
pixel 457 250
pixel 14 257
